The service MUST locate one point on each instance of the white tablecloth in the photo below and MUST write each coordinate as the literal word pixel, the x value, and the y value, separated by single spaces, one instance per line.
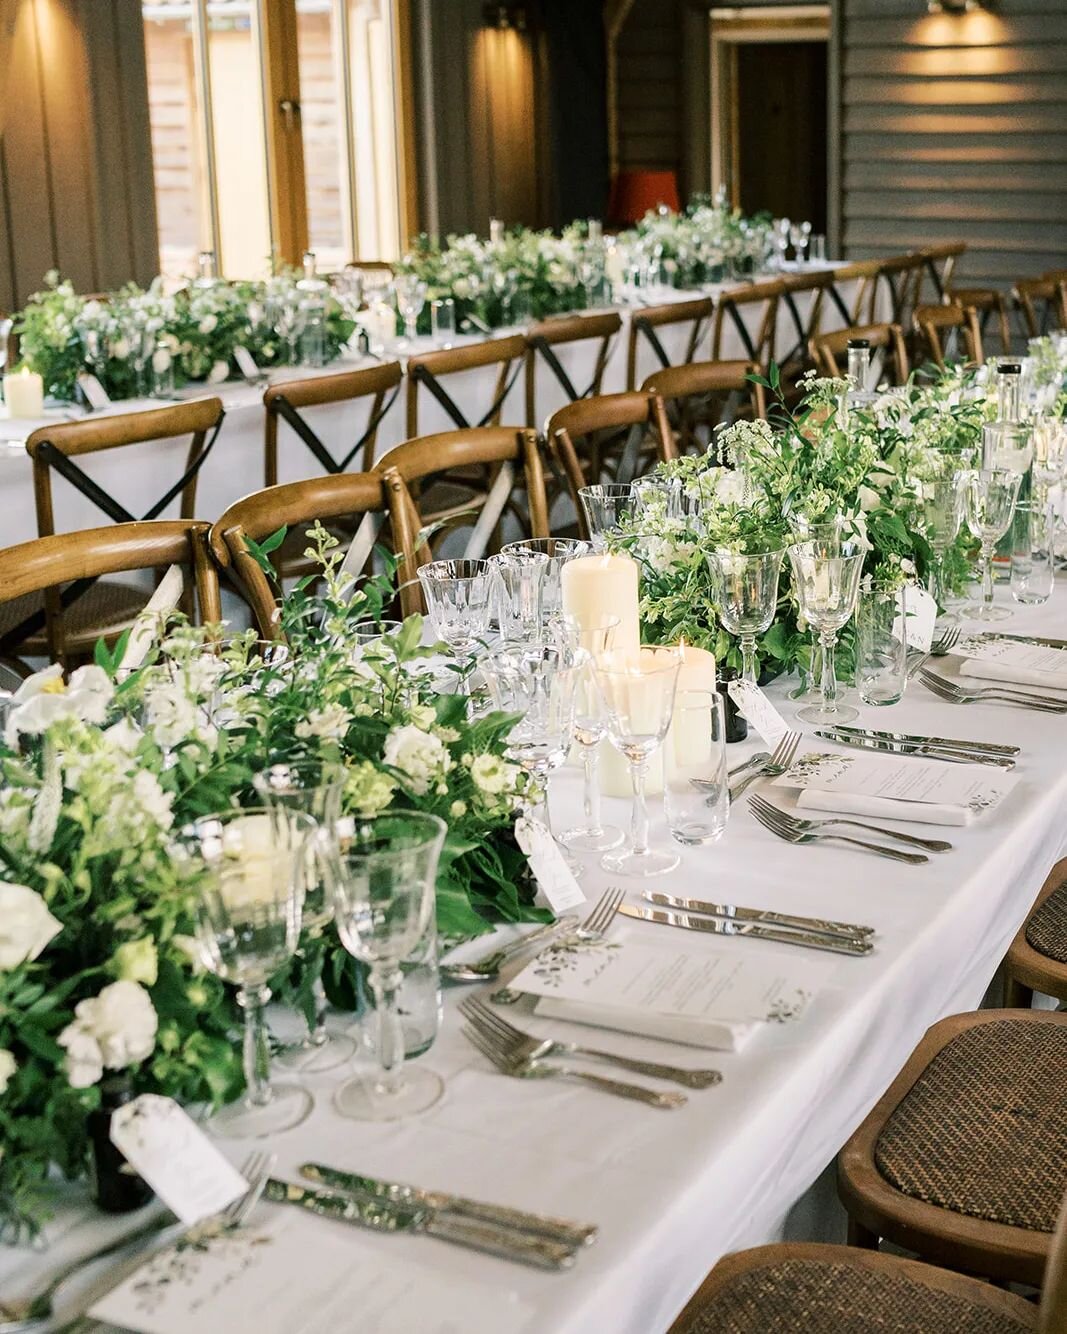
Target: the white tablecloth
pixel 139 475
pixel 673 1191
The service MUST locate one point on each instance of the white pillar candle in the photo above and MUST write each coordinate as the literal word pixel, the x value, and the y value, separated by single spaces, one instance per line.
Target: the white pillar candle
pixel 24 393
pixel 685 744
pixel 595 587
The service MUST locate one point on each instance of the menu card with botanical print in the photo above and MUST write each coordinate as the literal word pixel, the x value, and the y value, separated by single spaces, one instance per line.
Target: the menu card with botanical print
pixel 704 995
pixel 1007 660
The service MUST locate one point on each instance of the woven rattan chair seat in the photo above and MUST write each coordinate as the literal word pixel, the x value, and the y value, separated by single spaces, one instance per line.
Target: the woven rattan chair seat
pixel 1046 931
pixel 102 612
pixel 983 1131
pixel 824 1297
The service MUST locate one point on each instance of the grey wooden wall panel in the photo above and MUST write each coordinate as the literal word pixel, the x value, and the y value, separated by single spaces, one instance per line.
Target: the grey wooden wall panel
pixel 652 122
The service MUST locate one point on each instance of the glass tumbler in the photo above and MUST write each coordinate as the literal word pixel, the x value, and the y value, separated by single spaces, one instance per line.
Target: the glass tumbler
pixel 1032 553
pixel 881 646
pixel 696 788
pixel 443 322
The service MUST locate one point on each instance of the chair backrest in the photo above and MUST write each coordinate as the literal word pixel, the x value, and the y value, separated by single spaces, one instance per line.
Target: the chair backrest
pixel 427 370
pixel 901 276
pixel 939 264
pixel 1050 296
pixel 931 321
pixel 757 345
pixel 380 384
pixel 496 449
pixel 862 308
pixel 1052 1318
pixel 55 447
pixel 700 396
pixel 829 349
pixel 645 325
pixel 610 436
pixel 986 301
pixel 798 290
pixel 542 340
pixel 262 513
pixel 50 564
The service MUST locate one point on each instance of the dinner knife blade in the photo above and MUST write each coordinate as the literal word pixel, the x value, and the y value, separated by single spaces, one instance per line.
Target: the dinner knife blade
pixel 952 743
pixel 924 750
pixel 379 1215
pixel 718 927
pixel 759 915
pixel 571 1234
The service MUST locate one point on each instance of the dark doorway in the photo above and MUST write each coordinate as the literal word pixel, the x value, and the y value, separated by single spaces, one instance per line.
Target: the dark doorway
pixel 781 129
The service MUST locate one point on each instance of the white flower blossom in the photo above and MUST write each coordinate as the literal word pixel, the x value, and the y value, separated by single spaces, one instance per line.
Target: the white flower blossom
pixel 420 756
pixel 493 775
pixel 8 1066
pixel 43 699
pixel 220 370
pixel 114 1029
pixel 329 723
pixel 26 925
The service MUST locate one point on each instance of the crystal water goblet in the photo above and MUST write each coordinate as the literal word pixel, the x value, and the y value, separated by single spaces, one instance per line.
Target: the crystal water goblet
pixel 410 299
pixel 459 596
pixel 638 693
pixel 826 580
pixel 315 786
pixel 989 499
pixel 557 551
pixel 799 233
pixel 942 515
pixel 246 869
pixel 383 899
pixel 590 728
pixel 745 590
pixel 606 507
pixel 521 579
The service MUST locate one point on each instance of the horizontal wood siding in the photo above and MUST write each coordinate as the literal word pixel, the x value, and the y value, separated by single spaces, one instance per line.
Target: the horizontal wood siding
pixel 651 120
pixel 955 127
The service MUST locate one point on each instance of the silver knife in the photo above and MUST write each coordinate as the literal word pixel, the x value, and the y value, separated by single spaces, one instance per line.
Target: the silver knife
pixel 559 1229
pixel 380 1215
pixel 767 917
pixel 923 749
pixel 1036 640
pixel 993 747
pixel 835 944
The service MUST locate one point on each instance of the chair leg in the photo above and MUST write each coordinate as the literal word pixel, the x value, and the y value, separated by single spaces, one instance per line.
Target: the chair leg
pixel 1016 996
pixel 861 1237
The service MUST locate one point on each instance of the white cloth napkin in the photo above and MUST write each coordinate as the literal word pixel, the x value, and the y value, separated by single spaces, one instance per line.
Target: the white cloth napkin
pixel 1012 672
pixel 851 803
pixel 146 626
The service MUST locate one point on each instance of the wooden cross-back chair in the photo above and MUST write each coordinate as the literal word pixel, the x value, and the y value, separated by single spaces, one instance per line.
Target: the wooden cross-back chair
pixel 502 453
pixel 931 322
pixel 296 506
pixel 646 326
pixel 729 322
pixel 829 350
pixel 703 395
pixel 988 304
pixel 542 342
pixel 38 571
pixel 861 305
pixel 92 607
pixel 901 278
pixel 1042 303
pixel 938 265
pixel 614 438
pixel 797 289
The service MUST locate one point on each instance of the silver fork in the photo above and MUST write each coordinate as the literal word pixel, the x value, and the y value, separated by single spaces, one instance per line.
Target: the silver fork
pixel 256 1168
pixel 954 694
pixel 941 646
pixel 499 1055
pixel 601 917
pixel 791 835
pixel 779 763
pixel 806 826
pixel 524 1046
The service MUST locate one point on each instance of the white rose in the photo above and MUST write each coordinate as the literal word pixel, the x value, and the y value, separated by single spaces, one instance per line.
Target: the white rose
pixel 8 1066
pixel 208 324
pixel 26 925
pixel 419 755
pixel 123 1021
pixel 44 699
pixel 492 775
pixel 219 371
pixel 84 1060
pixel 330 723
pixel 730 488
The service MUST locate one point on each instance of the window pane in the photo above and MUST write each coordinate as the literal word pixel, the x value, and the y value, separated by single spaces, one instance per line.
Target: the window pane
pixel 322 118
pixel 372 54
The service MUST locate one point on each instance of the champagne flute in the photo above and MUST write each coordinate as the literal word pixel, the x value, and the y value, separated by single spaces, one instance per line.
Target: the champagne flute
pixel 745 589
pixel 638 694
pixel 989 497
pixel 383 898
pixel 942 515
pixel 826 580
pixel 592 835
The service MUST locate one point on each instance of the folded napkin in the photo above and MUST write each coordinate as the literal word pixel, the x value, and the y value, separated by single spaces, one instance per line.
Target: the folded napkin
pixel 716 1034
pixel 853 803
pixel 1013 672
pixel 146 626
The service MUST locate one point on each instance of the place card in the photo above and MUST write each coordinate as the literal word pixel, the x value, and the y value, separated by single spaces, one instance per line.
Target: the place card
pixel 1008 660
pixel 701 995
pixel 557 888
pixel 246 364
pixel 170 1151
pixel 753 704
pixel 95 394
pixel 916 620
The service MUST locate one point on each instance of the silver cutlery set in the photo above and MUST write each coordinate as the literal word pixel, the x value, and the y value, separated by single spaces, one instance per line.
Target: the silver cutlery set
pixel 761 765
pixel 929 747
pixel 955 692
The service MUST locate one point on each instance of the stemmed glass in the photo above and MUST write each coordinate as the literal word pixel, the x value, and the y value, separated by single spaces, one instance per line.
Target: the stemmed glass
pixel 605 507
pixel 638 694
pixel 249 876
pixel 781 230
pixel 826 579
pixel 989 497
pixel 745 590
pixel 314 786
pixel 521 581
pixel 592 835
pixel 799 233
pixel 383 899
pixel 458 597
pixel 287 315
pixel 941 518
pixel 410 299
pixel 557 552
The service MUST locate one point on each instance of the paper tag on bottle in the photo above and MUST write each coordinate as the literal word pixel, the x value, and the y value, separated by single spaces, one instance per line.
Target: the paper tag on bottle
pixel 95 393
pixel 557 887
pixel 170 1151
pixel 756 708
pixel 246 363
pixel 918 610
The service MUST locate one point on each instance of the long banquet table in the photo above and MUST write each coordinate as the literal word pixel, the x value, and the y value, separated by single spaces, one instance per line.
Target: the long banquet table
pixel 137 477
pixel 674 1191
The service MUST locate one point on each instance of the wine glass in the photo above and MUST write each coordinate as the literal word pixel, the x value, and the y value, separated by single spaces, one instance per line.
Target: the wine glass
pixel 458 597
pixel 249 879
pixel 383 901
pixel 520 593
pixel 799 233
pixel 557 552
pixel 410 299
pixel 638 694
pixel 745 590
pixel 592 835
pixel 826 580
pixel 781 239
pixel 942 514
pixel 314 786
pixel 989 500
pixel 605 508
